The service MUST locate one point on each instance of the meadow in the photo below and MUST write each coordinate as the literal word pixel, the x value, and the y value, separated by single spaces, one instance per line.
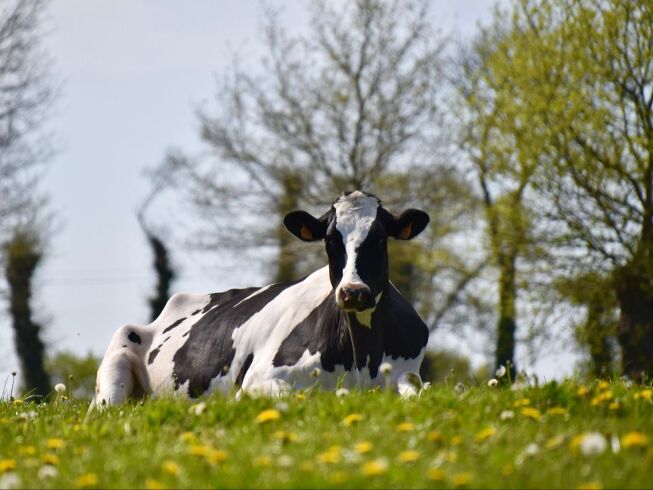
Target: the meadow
pixel 558 435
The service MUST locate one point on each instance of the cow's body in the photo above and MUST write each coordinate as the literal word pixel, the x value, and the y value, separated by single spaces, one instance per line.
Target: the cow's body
pixel 268 340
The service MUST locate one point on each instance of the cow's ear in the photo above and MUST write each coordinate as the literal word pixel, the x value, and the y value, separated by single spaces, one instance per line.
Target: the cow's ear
pixel 304 226
pixel 409 224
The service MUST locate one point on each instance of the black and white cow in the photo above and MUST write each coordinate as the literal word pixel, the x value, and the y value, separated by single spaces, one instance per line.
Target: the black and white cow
pixel 345 319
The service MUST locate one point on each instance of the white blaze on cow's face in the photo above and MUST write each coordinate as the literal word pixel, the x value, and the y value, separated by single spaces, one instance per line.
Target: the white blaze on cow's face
pixel 355 217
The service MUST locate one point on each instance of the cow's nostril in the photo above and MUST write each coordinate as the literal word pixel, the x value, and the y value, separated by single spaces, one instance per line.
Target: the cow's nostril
pixel 354 296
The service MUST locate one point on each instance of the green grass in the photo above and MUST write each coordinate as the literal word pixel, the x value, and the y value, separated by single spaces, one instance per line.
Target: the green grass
pixel 127 446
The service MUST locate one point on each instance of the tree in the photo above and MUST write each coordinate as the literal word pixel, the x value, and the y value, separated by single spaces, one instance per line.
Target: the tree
pixel 78 373
pixel 581 112
pixel 353 104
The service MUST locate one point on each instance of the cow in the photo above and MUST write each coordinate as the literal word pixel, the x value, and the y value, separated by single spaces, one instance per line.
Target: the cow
pixel 335 327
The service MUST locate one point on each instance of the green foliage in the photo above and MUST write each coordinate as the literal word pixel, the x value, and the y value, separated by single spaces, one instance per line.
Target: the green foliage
pixel 76 372
pixel 441 439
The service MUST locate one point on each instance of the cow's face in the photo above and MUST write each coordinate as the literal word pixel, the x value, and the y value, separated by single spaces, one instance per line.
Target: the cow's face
pixel 355 231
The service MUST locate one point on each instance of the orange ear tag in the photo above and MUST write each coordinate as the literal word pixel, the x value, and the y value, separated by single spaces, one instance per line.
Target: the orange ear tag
pixel 306 233
pixel 404 234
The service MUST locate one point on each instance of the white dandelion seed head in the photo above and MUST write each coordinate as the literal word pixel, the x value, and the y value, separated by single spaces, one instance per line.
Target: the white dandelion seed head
pixel 285 461
pixel 532 449
pixel 460 387
pixel 315 372
pixel 47 471
pixel 593 443
pixel 60 388
pixel 385 368
pixel 492 383
pixel 341 392
pixel 506 415
pixel 198 408
pixel 10 481
pixel 282 407
pixel 501 371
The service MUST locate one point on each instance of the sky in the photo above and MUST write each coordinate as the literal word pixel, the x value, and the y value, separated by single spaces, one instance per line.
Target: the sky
pixel 132 74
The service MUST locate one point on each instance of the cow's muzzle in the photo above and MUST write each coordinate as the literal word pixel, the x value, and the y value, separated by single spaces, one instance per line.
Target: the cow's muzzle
pixel 354 297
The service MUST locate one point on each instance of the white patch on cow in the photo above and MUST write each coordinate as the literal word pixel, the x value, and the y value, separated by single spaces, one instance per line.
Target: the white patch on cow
pixel 355 214
pixel 402 371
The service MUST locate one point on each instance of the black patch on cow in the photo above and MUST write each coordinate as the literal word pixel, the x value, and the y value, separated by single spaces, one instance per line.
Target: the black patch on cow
pixel 124 346
pixel 209 350
pixel 396 331
pixel 196 312
pixel 174 325
pixel 185 334
pixel 134 337
pixel 165 340
pixel 243 369
pixel 153 354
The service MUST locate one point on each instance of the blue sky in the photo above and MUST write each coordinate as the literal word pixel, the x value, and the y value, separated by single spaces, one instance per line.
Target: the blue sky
pixel 132 73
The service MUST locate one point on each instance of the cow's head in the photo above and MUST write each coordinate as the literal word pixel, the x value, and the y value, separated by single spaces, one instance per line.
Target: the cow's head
pixel 355 231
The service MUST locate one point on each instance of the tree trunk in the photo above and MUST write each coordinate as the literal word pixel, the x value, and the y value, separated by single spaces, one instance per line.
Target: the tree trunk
pixel 634 287
pixel 165 274
pixel 505 351
pixel 23 257
pixel 287 258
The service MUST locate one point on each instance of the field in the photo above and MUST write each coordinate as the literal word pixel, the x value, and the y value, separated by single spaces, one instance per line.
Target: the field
pixel 566 434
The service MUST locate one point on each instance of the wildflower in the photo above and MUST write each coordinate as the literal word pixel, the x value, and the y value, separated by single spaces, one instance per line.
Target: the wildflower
pixel 300 396
pixel 7 465
pixel 60 388
pixel 352 418
pixel 285 461
pixel 199 450
pixel 282 407
pixel 86 480
pixel 582 391
pixel 589 443
pixel 634 439
pixel 375 467
pixel 263 461
pixel 306 467
pixel 363 447
pixel 492 383
pixel 188 437
pixel 405 427
pixel 461 479
pixel 532 413
pixel 10 480
pixel 51 459
pixel 614 444
pixel 46 472
pixel 385 368
pixel 501 371
pixel 532 449
pixel 644 394
pixel 54 443
pixel 171 468
pixel 339 477
pixel 409 456
pixel 603 385
pixel 601 397
pixel 485 434
pixel 435 474
pixel 198 408
pixel 315 373
pixel 506 415
pixel 434 436
pixel 456 440
pixel 284 437
pixel 27 450
pixel 268 415
pixel 152 484
pixel 557 411
pixel 554 442
pixel 522 402
pixel 216 456
pixel 614 406
pixel 330 456
pixel 342 392
pixel 459 388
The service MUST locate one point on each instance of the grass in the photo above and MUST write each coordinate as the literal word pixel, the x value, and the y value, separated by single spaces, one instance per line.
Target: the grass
pixel 441 439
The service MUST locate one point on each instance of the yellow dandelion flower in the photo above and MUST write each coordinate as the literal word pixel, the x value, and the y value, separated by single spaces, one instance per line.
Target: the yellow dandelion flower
pixel 152 484
pixel 582 391
pixel 171 468
pixel 375 467
pixel 485 434
pixel 352 418
pixel 435 474
pixel 7 465
pixel 590 485
pixel 634 439
pixel 456 440
pixel 405 427
pixel 557 411
pixel 363 447
pixel 263 461
pixel 461 479
pixel 522 402
pixel 188 437
pixel 216 456
pixel 330 456
pixel 531 413
pixel 268 415
pixel 339 477
pixel 603 385
pixel 49 458
pixel 54 443
pixel 434 436
pixel 284 436
pixel 199 450
pixel 300 396
pixel 644 394
pixel 554 442
pixel 87 480
pixel 614 406
pixel 409 456
pixel 26 450
pixel 448 456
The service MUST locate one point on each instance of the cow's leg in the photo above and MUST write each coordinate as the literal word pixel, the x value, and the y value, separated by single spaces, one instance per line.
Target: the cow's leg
pixel 122 373
pixel 269 388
